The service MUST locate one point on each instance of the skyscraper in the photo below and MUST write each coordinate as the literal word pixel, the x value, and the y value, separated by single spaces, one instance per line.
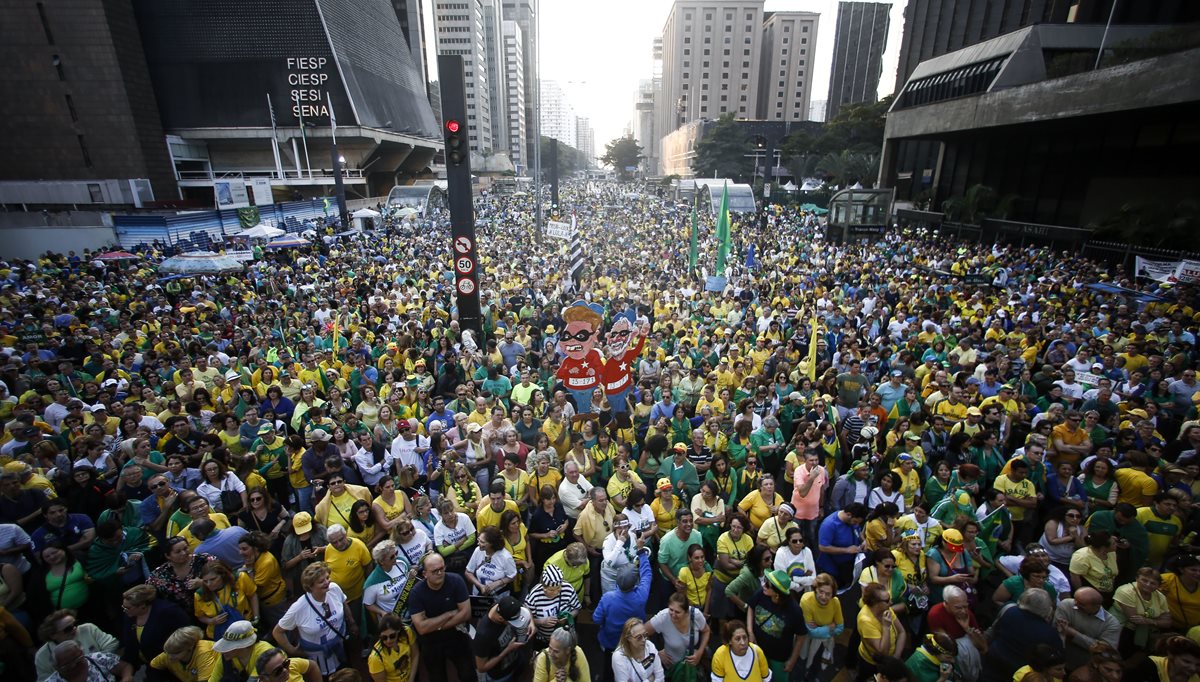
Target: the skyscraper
pixel 524 12
pixel 412 24
pixel 558 117
pixel 789 45
pixel 857 54
pixel 710 57
pixel 585 138
pixel 515 97
pixel 460 30
pixel 493 47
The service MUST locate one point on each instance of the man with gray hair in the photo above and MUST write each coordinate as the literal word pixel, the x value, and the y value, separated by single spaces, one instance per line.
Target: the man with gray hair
pixel 573 491
pixel 1083 622
pixel 955 617
pixel 72 665
pixel 1015 633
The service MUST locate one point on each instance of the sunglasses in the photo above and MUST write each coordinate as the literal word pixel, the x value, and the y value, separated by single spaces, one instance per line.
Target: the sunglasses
pixel 279 669
pixel 389 636
pixel 583 335
pixel 336 482
pixel 156 486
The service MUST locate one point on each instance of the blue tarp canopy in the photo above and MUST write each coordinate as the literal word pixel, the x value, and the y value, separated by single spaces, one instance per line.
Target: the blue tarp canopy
pixel 1114 290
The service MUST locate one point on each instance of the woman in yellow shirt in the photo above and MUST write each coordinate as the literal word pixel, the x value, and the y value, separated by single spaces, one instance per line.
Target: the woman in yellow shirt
pixel 695 577
pixel 823 616
pixel 664 506
pixel 879 628
pixel 263 568
pixel 761 504
pixel 737 660
pixel 220 595
pixel 187 655
pixel 395 657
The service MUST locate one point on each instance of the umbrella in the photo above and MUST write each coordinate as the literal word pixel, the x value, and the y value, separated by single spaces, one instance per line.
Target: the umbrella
pixel 287 243
pixel 366 213
pixel 407 211
pixel 118 255
pixel 261 231
pixel 199 262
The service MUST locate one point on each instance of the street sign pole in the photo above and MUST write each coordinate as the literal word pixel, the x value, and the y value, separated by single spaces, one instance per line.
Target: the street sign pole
pixel 458 186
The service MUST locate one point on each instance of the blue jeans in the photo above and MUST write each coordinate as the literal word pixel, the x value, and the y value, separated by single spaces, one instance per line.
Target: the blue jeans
pixel 583 400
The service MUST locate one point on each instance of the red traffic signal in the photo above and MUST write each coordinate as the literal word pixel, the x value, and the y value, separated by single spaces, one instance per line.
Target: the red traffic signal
pixel 452 126
pixel 456 147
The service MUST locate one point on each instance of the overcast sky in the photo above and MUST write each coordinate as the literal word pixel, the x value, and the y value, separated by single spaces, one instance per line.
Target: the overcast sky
pixel 600 50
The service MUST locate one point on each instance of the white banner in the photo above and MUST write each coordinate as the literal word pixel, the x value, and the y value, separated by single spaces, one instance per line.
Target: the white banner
pixel 1167 271
pixel 559 230
pixel 231 194
pixel 240 255
pixel 261 188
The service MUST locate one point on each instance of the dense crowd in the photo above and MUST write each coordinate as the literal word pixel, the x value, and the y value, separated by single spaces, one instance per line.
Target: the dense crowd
pixel 906 459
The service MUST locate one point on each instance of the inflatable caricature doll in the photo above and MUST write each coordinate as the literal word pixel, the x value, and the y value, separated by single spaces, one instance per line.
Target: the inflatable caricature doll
pixel 617 376
pixel 581 368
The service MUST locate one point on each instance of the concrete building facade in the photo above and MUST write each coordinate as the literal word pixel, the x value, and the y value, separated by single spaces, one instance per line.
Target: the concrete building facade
pixel 524 12
pixel 585 138
pixel 710 55
pixel 858 46
pixel 461 29
pixel 515 93
pixel 789 42
pixel 558 117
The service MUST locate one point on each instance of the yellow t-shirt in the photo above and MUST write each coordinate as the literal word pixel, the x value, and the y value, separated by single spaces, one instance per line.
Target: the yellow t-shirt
pixel 696 586
pixel 390 511
pixel 869 627
pixel 198 668
pixel 486 516
pixel 238 596
pixel 259 648
pixel 756 508
pixel 268 580
pixel 296 477
pixel 1184 605
pixel 1099 572
pixel 219 520
pixel 664 518
pixel 1135 487
pixel 339 510
pixel 736 549
pixel 618 488
pixel 1160 532
pixel 815 614
pixel 394 663
pixel 910 485
pixel 1019 490
pixel 724 668
pixel 296 669
pixel 348 568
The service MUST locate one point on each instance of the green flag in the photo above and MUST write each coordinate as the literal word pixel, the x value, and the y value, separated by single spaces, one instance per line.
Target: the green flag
pixel 723 231
pixel 325 206
pixel 693 247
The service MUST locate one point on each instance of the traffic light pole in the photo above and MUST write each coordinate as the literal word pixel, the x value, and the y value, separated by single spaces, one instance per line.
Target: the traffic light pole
pixel 458 186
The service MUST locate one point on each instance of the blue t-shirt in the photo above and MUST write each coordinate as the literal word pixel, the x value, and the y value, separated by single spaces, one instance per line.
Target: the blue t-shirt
pixel 836 533
pixel 69 534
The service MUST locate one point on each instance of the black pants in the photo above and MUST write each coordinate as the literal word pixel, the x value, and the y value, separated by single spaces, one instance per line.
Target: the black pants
pixel 434 661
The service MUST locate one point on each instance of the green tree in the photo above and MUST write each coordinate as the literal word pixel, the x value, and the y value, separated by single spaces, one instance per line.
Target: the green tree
pixel 846 168
pixel 721 153
pixel 622 153
pixel 570 159
pixel 978 203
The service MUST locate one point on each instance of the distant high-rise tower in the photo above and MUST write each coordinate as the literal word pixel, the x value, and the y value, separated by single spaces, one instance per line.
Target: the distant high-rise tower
pixel 493 46
pixel 789 46
pixel 585 138
pixel 412 24
pixel 558 118
pixel 515 97
pixel 710 57
pixel 524 12
pixel 857 54
pixel 460 30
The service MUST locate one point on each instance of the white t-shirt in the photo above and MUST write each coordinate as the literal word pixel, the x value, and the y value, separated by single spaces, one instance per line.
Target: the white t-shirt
pixel 412 551
pixel 572 494
pixel 408 452
pixel 306 615
pixel 212 493
pixel 488 569
pixel 444 535
pixel 385 593
pixel 647 669
pixel 640 522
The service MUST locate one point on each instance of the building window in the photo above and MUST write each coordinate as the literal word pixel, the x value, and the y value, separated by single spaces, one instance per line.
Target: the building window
pixel 58 67
pixel 747 40
pixel 725 64
pixel 705 65
pixel 787 28
pixel 708 16
pixel 687 51
pixel 686 63
pixel 687 41
pixel 95 193
pixel 726 52
pixel 87 158
pixel 71 109
pixel 804 29
pixel 728 17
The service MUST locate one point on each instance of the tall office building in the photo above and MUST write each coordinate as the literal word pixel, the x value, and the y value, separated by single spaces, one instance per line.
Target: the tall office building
pixel 789 46
pixel 460 30
pixel 558 117
pixel 710 54
pixel 524 12
pixel 585 138
pixel 857 54
pixel 412 25
pixel 493 45
pixel 642 125
pixel 936 27
pixel 514 99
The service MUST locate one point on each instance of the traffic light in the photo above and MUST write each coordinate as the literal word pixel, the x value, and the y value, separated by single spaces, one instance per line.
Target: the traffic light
pixel 456 148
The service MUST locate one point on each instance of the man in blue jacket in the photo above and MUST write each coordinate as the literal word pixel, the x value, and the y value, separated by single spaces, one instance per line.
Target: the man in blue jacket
pixel 619 606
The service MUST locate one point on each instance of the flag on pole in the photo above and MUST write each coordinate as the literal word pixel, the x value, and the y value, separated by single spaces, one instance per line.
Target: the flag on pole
pixel 812 350
pixel 574 258
pixel 693 246
pixel 723 231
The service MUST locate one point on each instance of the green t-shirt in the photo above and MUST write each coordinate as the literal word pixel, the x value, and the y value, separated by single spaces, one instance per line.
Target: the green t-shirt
pixel 672 552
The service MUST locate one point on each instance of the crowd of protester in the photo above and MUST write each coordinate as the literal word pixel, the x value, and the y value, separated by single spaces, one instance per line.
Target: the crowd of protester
pixel 907 459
